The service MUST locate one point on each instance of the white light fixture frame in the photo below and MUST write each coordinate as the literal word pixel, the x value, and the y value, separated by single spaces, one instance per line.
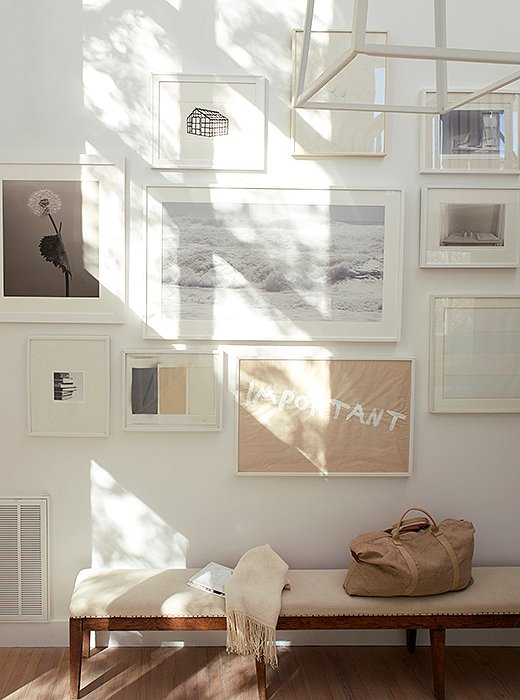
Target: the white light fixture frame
pixel 440 53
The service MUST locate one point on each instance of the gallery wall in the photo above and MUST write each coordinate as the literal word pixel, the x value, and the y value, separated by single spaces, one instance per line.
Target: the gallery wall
pixel 77 78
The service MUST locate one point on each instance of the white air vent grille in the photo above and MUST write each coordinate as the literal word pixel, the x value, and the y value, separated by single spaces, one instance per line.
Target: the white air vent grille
pixel 23 559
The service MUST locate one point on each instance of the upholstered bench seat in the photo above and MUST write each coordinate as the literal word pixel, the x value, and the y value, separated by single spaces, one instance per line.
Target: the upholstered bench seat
pixel 160 599
pixel 313 592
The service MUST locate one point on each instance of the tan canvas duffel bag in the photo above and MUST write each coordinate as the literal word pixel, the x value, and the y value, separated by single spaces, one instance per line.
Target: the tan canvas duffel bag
pixel 412 558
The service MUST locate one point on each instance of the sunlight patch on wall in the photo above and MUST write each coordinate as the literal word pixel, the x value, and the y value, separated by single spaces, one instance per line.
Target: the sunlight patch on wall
pixel 95 5
pixel 119 55
pixel 126 532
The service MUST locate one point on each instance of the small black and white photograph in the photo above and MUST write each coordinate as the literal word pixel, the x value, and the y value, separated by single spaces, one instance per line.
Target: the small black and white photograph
pixel 469 226
pixel 472 224
pixel 306 262
pixel 473 131
pixel 50 238
pixel 68 386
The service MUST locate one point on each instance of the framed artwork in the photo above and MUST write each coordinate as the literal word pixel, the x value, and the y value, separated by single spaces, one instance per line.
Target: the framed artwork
pixel 172 390
pixel 336 132
pixel 469 227
pixel 324 417
pixel 68 385
pixel 273 264
pixel 475 354
pixel 210 122
pixel 479 137
pixel 62 252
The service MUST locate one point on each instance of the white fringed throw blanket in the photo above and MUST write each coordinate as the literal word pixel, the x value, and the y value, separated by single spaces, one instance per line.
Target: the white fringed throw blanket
pixel 253 602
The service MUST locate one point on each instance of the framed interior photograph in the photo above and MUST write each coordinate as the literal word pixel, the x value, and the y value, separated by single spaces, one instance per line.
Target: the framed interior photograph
pixel 470 227
pixel 68 380
pixel 273 264
pixel 475 354
pixel 326 133
pixel 479 137
pixel 209 122
pixel 172 390
pixel 62 251
pixel 324 417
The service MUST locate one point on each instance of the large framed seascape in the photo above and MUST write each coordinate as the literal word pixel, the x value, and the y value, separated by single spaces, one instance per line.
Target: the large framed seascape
pixel 273 264
pixel 68 380
pixel 469 227
pixel 210 122
pixel 172 390
pixel 475 354
pixel 478 137
pixel 324 417
pixel 62 252
pixel 336 132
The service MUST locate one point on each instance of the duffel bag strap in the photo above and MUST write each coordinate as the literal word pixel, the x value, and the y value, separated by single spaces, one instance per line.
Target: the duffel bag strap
pixel 444 541
pixel 412 567
pixel 441 538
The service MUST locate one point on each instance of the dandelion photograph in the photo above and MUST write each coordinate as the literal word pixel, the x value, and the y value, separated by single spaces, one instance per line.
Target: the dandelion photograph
pixel 50 238
pixel 274 263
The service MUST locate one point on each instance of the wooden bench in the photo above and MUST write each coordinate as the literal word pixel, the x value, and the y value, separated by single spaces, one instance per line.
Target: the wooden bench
pixel 148 599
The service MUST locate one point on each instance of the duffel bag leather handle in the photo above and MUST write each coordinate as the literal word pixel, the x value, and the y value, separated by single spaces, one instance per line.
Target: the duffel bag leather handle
pixel 396 535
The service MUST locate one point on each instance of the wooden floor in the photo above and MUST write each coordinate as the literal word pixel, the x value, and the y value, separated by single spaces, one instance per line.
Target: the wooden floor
pixel 304 673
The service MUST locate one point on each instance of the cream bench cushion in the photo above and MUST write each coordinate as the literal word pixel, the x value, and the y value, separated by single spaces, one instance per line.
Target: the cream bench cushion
pixel 315 593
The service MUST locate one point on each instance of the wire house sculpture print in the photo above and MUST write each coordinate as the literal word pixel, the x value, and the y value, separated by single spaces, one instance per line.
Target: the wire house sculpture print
pixel 207 122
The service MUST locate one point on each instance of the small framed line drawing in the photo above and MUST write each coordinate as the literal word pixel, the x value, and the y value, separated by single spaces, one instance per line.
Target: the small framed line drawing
pixel 469 227
pixel 480 137
pixel 319 416
pixel 209 122
pixel 474 354
pixel 68 385
pixel 167 389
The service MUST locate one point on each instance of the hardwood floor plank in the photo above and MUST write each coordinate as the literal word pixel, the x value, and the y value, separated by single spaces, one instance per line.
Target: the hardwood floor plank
pixel 8 662
pixel 304 673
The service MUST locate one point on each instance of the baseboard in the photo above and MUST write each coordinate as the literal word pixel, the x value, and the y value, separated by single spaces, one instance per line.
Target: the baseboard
pixel 56 634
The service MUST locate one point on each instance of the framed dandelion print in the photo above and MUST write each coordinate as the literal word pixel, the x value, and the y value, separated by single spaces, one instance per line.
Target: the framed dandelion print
pixel 62 250
pixel 166 389
pixel 273 264
pixel 68 385
pixel 209 122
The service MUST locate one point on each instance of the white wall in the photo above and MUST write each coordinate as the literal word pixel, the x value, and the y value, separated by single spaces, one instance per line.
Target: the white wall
pixel 77 75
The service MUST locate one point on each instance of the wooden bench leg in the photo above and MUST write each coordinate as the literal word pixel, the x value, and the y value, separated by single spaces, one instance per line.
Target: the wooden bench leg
pixel 261 680
pixel 85 645
pixel 75 651
pixel 411 640
pixel 438 650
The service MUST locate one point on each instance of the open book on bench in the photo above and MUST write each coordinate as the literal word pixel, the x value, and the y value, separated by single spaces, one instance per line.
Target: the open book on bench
pixel 212 578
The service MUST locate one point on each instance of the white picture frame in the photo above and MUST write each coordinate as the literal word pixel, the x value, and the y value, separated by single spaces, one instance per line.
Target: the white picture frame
pixel 229 122
pixel 470 227
pixel 68 385
pixel 482 136
pixel 474 354
pixel 334 133
pixel 172 390
pixel 273 264
pixel 318 416
pixel 88 197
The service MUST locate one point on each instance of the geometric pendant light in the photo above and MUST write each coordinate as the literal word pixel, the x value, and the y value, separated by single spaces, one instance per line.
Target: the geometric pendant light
pixel 440 53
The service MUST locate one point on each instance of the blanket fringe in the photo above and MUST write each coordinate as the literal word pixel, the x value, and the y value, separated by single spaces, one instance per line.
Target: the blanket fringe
pixel 249 637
